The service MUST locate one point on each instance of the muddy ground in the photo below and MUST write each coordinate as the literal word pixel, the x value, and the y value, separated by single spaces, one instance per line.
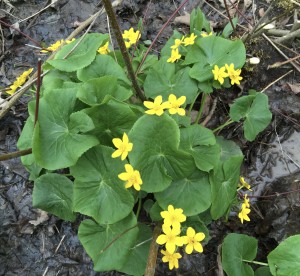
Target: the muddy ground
pixel 35 243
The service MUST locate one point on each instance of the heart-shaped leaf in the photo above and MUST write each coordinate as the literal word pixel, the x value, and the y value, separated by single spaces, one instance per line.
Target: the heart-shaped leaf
pixel 254 109
pixel 236 249
pixel 58 141
pixel 96 179
pixel 71 58
pixel 54 193
pixel 108 245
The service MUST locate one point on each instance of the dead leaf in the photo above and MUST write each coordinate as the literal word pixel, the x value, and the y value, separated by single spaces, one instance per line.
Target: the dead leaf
pixel 42 216
pixel 261 12
pixel 228 2
pixel 247 3
pixel 183 19
pixel 295 88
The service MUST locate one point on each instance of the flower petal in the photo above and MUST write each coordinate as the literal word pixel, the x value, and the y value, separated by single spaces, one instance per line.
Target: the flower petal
pixel 189 249
pixel 190 232
pixel 199 237
pixel 116 154
pixel 123 176
pixel 161 239
pixel 117 142
pixel 198 247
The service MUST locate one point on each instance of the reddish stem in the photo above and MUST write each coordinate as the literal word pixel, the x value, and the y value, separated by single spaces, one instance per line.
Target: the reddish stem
pixel 228 14
pixel 31 39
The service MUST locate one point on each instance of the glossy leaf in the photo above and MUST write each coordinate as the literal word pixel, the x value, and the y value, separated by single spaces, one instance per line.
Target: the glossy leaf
pixel 254 109
pixel 155 152
pixel 103 65
pixel 138 254
pixel 108 245
pixel 192 194
pixel 54 193
pixel 237 248
pixel 284 260
pixel 58 139
pixel 71 58
pixel 96 179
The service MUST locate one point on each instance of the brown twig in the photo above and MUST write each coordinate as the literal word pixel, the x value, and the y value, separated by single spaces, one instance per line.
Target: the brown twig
pixel 151 263
pixel 15 154
pixel 278 64
pixel 228 14
pixel 117 31
pixel 273 82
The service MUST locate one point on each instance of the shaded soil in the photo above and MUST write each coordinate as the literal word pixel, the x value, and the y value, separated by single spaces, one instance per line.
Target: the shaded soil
pixel 34 243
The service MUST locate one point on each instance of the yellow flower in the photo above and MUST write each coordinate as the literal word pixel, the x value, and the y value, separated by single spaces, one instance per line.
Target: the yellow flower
pixel 132 177
pixel 157 107
pixel 174 104
pixel 233 74
pixel 219 74
pixel 170 238
pixel 177 43
pixel 131 37
pixel 103 50
pixel 189 40
pixel 192 241
pixel 173 217
pixel 243 214
pixel 244 184
pixel 246 201
pixel 19 81
pixel 205 34
pixel 53 47
pixel 171 258
pixel 123 147
pixel 174 56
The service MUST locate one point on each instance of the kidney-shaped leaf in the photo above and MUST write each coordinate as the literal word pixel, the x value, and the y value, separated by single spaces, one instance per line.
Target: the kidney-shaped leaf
pixel 108 245
pixel 237 248
pixel 192 194
pixel 255 111
pixel 103 65
pixel 111 120
pixel 155 152
pixel 94 91
pixel 201 143
pixel 58 141
pixel 70 59
pixel 138 254
pixel 284 260
pixel 54 193
pixel 98 192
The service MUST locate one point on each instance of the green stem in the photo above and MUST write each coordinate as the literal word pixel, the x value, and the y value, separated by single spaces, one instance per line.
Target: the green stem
pixel 15 154
pixel 203 100
pixel 224 125
pixel 255 262
pixel 117 31
pixel 139 208
pixel 192 105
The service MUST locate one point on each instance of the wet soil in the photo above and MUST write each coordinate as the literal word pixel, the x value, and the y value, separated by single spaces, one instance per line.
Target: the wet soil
pixel 35 243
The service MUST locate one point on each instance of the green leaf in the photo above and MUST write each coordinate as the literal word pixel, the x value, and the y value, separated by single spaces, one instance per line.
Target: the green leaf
pixel 54 193
pixel 235 249
pixel 162 80
pixel 284 260
pixel 103 65
pixel 155 152
pixel 108 245
pixel 263 271
pixel 228 28
pixel 111 120
pixel 198 21
pixel 255 110
pixel 155 212
pixel 138 253
pixel 70 59
pixel 217 51
pixel 225 177
pixel 98 192
pixel 201 143
pixel 57 141
pixel 25 142
pixel 94 91
pixel 192 194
